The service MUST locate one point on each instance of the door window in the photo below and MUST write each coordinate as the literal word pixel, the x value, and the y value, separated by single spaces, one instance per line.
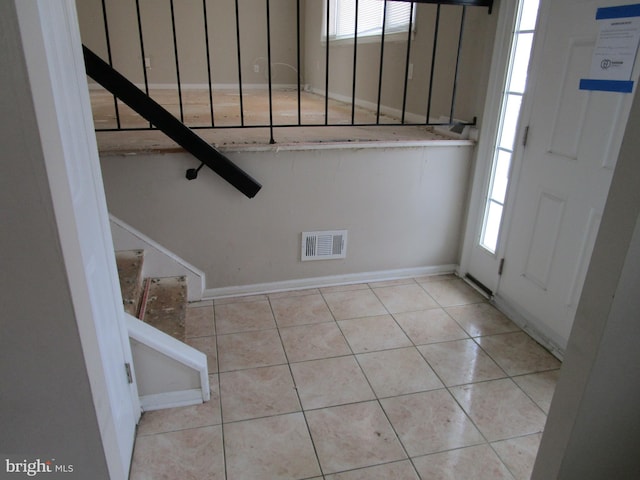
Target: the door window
pixel 515 84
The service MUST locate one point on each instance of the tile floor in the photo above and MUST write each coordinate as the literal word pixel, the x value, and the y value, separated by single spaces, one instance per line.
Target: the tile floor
pixel 411 379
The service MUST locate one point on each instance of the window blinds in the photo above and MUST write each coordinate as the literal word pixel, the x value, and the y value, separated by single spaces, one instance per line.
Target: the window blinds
pixel 370 17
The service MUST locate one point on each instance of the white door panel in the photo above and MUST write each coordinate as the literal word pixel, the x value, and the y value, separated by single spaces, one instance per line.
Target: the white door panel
pixel 564 174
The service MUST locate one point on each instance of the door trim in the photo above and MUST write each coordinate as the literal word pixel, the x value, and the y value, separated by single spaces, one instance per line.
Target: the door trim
pixel 488 131
pixel 51 44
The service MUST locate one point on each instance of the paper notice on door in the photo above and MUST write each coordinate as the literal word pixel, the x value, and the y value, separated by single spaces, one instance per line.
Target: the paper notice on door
pixel 615 51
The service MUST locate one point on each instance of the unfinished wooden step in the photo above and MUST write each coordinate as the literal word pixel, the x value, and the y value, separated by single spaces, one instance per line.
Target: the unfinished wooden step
pixel 165 307
pixel 129 263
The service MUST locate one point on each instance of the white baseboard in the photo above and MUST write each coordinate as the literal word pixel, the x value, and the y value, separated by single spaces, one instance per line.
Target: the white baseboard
pixel 329 281
pixel 182 398
pixel 530 326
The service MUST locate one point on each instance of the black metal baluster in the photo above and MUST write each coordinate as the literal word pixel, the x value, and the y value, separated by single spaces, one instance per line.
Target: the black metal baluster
pixel 298 59
pixel 326 73
pixel 384 25
pixel 406 68
pixel 355 62
pixel 271 139
pixel 206 39
pixel 108 39
pixel 239 64
pixel 140 36
pixel 433 61
pixel 175 54
pixel 455 76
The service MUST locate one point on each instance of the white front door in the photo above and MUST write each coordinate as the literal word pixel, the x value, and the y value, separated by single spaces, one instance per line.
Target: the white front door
pixel 561 183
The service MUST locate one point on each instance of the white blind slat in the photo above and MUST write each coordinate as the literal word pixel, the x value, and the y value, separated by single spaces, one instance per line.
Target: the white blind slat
pixel 370 17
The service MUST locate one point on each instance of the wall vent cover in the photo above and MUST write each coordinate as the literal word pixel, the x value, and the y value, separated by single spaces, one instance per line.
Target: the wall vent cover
pixel 325 245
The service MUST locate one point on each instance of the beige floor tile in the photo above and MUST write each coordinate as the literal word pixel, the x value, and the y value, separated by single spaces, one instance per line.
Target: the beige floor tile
pixel 332 381
pixel 370 334
pixel 258 392
pixel 250 349
pixel 389 471
pixel 439 277
pixel 294 293
pixel 200 303
pixel 270 448
pixel 478 463
pixel 398 372
pixel 430 422
pixel 404 298
pixel 198 322
pixel 344 288
pixel 181 418
pixel 519 454
pixel 500 409
pixel 312 342
pixel 206 345
pixel 430 326
pixel 353 436
pixel 354 304
pixel 517 353
pixel 258 396
pixel 391 283
pixel 453 292
pixel 244 317
pixel 301 310
pixel 245 299
pixel 191 454
pixel 460 362
pixel 540 387
pixel 481 319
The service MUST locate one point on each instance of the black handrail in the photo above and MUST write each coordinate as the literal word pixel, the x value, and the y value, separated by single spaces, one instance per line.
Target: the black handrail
pixel 468 3
pixel 144 105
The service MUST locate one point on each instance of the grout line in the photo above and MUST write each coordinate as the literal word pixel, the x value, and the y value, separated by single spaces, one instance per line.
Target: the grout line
pixel 219 377
pixel 293 379
pixel 356 356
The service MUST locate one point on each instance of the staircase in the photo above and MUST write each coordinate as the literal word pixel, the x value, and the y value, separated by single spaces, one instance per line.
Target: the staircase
pixel 159 302
pixel 168 372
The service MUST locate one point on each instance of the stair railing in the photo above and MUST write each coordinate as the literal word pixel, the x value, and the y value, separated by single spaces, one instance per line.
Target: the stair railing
pixel 157 115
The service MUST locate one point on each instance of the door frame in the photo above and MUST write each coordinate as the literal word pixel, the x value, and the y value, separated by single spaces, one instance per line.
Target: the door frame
pixel 52 50
pixel 488 131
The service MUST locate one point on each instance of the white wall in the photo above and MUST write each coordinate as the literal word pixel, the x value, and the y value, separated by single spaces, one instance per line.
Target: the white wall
pixel 403 208
pixel 474 62
pixel 190 35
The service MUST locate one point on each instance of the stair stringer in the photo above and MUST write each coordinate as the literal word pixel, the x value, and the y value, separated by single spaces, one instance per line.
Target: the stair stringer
pixel 168 373
pixel 158 261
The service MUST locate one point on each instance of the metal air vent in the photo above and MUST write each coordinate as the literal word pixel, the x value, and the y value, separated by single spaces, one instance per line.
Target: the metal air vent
pixel 325 245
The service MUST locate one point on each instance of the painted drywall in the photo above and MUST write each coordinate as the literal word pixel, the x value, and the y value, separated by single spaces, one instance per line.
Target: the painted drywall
pixel 478 36
pixel 190 33
pixel 593 429
pixel 46 406
pixel 403 208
